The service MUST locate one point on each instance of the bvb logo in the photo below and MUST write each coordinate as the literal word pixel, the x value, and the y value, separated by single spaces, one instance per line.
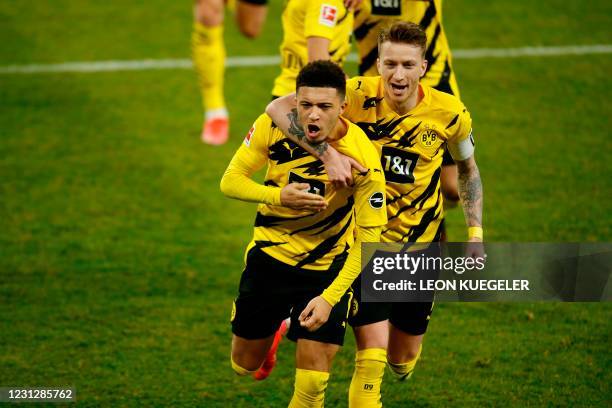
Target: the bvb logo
pixel 354 307
pixel 428 138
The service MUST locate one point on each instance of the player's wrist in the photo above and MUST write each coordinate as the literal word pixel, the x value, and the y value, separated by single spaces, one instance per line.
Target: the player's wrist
pixel 475 232
pixel 275 195
pixel 328 298
pixel 324 152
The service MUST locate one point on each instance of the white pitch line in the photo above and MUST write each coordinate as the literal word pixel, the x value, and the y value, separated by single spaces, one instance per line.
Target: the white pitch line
pixel 259 61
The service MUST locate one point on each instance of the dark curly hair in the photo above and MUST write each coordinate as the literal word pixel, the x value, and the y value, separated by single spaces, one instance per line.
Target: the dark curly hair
pixel 322 74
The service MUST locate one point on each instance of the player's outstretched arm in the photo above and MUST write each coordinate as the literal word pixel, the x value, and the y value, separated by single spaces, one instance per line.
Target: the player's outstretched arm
pixel 338 167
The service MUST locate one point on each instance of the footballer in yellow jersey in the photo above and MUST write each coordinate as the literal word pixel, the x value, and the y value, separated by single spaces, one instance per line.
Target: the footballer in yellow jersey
pixel 411 125
pixel 374 15
pixel 306 246
pixel 311 20
pixel 411 147
pixel 304 239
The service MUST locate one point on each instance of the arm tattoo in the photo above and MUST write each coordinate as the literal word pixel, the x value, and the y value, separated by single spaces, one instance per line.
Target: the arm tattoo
pixel 296 130
pixel 470 191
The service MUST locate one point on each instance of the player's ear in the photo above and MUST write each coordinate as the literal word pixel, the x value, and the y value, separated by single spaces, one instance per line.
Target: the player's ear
pixel 342 106
pixel 423 68
pixel 378 66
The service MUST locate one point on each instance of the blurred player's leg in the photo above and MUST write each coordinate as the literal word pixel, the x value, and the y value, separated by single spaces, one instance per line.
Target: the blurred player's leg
pixel 251 16
pixel 268 365
pixel 248 355
pixel 313 360
pixel 208 52
pixel 370 361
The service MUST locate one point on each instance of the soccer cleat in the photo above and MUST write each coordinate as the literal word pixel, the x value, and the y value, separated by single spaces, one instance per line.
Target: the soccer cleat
pixel 216 131
pixel 270 361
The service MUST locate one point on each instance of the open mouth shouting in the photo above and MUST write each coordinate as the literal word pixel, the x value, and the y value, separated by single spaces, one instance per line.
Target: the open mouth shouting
pixel 313 131
pixel 398 89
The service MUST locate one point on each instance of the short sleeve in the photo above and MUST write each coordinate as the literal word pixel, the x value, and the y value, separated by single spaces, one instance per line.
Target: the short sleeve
pixel 463 129
pixel 461 142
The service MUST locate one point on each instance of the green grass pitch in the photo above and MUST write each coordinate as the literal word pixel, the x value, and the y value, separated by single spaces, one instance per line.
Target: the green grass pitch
pixel 119 257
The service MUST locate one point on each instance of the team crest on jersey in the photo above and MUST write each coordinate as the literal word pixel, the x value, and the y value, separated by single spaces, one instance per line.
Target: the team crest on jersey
pixel 247 139
pixel 328 15
pixel 429 137
pixel 377 200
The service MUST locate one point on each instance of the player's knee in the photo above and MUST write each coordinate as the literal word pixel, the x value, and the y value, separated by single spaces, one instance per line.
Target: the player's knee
pixel 209 12
pixel 317 356
pixel 367 378
pixel 405 355
pixel 309 388
pixel 249 30
pixel 250 18
pixel 402 364
pixel 242 366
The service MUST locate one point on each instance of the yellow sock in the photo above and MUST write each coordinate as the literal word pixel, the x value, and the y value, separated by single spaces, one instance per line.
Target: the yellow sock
pixel 208 53
pixel 240 370
pixel 403 371
pixel 309 390
pixel 367 377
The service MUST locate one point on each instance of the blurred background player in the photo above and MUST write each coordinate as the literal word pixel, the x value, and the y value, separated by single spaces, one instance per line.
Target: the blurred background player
pixel 375 15
pixel 312 30
pixel 208 53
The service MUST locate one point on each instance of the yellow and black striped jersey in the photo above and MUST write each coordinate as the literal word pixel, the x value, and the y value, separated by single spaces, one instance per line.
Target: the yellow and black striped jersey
pixel 304 239
pixel 374 15
pixel 410 148
pixel 311 18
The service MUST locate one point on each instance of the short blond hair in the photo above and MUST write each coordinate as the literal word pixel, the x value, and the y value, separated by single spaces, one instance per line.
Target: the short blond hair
pixel 403 32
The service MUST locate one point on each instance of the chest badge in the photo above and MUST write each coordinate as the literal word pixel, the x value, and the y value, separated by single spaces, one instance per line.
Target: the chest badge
pixel 429 137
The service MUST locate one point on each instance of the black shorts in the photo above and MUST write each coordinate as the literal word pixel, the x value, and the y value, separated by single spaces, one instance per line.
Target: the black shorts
pixel 257 2
pixel 270 291
pixel 409 317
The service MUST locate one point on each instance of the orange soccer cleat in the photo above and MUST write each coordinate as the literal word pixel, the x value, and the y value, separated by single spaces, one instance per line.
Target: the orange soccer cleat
pixel 270 361
pixel 216 130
